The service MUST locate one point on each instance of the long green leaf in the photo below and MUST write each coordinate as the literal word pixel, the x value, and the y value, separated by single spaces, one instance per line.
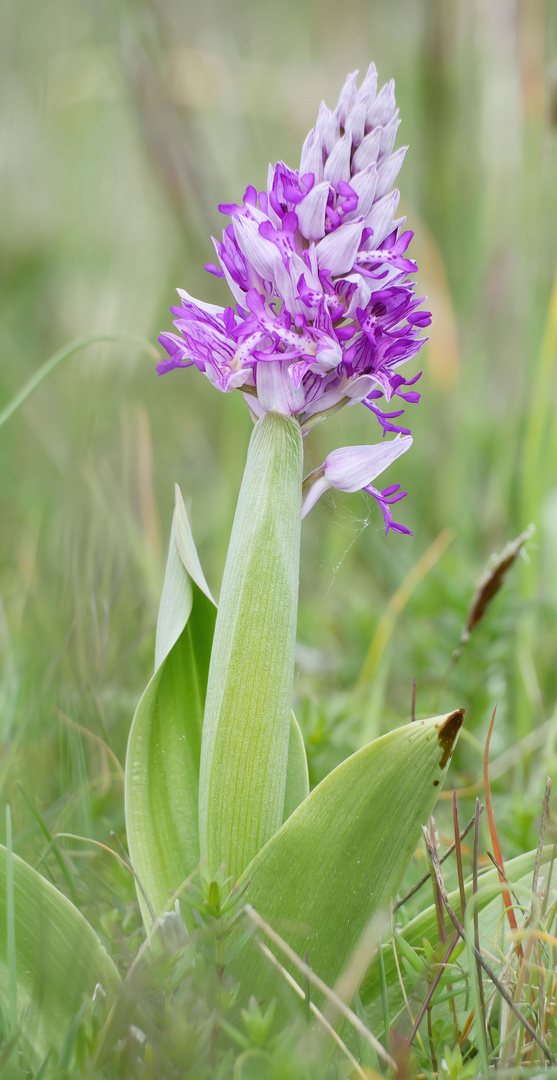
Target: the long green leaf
pixel 58 957
pixel 249 695
pixel 297 777
pixel 339 858
pixel 425 925
pixel 162 761
pixel 162 764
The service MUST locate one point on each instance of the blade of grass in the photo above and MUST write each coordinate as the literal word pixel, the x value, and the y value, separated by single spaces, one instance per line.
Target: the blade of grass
pixel 458 851
pixel 66 351
pixel 52 846
pixel 398 602
pixel 539 415
pixel 493 830
pixel 11 955
pixel 384 993
pixel 543 824
pixel 480 958
pixel 333 998
pixel 480 1009
pixel 432 988
pixel 270 956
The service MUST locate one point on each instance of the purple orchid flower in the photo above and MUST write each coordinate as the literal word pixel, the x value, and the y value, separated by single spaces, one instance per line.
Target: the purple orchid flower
pixel 325 314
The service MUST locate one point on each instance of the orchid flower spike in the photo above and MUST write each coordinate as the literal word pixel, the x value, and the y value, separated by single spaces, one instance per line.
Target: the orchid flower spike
pixel 324 313
pixel 353 468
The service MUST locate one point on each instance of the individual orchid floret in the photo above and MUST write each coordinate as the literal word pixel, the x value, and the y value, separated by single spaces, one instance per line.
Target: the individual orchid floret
pixel 354 468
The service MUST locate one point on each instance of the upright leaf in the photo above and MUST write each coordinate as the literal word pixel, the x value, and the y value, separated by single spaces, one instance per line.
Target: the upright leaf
pixel 58 957
pixel 340 857
pixel 162 762
pixel 297 777
pixel 249 695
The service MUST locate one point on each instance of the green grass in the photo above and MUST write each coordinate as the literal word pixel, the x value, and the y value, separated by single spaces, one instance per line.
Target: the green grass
pixel 124 126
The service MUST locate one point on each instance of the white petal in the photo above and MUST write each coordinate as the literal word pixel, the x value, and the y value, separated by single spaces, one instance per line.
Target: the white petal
pixel 388 171
pixel 347 98
pixel 383 107
pixel 337 166
pixel 313 493
pixel 327 128
pixel 275 389
pixel 260 252
pixel 367 152
pixel 353 467
pixel 368 89
pixel 337 251
pixel 238 293
pixel 311 212
pixel 388 136
pixel 312 156
pixel 356 123
pixel 211 309
pixel 381 219
pixel 364 184
pixel 358 388
pixel 286 284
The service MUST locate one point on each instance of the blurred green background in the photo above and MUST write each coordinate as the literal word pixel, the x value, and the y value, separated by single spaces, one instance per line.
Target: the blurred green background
pixel 123 126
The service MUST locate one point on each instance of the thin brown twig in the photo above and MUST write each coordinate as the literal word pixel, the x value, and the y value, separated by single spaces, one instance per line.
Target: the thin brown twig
pixel 503 876
pixel 479 957
pixel 427 877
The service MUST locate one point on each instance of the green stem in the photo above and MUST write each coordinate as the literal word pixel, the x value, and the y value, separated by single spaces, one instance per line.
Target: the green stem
pixel 249 693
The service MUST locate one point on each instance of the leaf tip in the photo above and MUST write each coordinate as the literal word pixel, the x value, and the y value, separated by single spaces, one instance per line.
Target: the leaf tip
pixel 447 734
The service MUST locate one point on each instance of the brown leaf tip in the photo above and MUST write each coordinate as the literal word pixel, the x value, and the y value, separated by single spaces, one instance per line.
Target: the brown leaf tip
pixel 447 734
